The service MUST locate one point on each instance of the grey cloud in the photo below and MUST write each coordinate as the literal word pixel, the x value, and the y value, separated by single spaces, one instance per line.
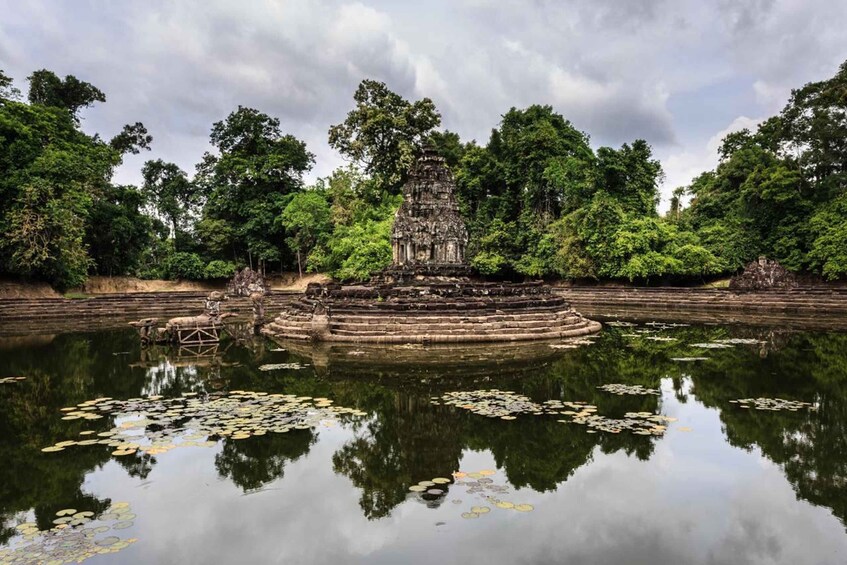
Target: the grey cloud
pixel 609 67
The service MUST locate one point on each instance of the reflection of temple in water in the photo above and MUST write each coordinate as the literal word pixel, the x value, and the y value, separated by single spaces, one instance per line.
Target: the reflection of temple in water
pixel 442 361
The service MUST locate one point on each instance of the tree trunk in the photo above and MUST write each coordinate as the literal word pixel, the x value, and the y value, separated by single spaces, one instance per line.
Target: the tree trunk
pixel 299 267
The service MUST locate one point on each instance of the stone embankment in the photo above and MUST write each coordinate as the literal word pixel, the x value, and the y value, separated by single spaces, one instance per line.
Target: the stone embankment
pixel 50 315
pixel 801 307
pixel 429 313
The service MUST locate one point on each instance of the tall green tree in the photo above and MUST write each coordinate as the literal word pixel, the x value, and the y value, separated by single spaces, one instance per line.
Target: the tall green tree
pixel 306 219
pixel 70 93
pixel 172 194
pixel 384 131
pixel 776 191
pixel 51 177
pixel 121 232
pixel 248 183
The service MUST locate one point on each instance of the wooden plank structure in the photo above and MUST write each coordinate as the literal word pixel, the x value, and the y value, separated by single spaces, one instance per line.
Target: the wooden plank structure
pixel 192 331
pixel 197 334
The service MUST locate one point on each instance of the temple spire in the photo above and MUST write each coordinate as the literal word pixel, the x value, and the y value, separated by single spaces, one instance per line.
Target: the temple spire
pixel 428 230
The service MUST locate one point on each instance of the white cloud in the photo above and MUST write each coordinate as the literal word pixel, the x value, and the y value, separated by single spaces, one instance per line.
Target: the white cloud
pixel 682 167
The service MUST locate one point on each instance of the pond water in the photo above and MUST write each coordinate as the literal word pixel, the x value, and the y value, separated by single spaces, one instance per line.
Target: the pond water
pixel 206 471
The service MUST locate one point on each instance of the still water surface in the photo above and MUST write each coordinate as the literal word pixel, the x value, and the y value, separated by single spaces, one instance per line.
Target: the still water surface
pixel 722 484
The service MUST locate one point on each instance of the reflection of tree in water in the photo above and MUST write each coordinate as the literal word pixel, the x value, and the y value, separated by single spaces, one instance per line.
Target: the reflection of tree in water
pixel 407 441
pixel 811 447
pixel 257 461
pixel 30 479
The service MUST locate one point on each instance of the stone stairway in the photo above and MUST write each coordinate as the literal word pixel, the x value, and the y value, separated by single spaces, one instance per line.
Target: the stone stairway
pixel 813 299
pixel 49 315
pixel 405 317
pixel 809 307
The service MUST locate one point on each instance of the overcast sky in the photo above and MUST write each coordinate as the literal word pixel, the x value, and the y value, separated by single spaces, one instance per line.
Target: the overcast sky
pixel 678 73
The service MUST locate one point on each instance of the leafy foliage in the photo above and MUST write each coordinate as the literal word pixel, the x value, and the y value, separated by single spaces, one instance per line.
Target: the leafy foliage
pixel 539 201
pixel 248 183
pixel 72 94
pixel 779 191
pixel 383 131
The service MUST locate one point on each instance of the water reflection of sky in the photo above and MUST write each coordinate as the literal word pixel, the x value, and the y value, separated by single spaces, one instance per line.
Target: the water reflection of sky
pixel 692 498
pixel 165 376
pixel 696 500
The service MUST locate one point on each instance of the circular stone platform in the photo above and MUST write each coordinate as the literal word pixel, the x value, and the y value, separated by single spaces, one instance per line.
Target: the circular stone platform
pixel 429 312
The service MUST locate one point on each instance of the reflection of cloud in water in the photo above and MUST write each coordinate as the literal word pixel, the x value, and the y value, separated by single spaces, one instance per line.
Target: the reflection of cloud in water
pixel 617 509
pixel 167 376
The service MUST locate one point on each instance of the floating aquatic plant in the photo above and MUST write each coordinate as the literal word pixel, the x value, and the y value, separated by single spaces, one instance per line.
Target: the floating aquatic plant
pixel 621 389
pixel 74 537
pixel 495 403
pixel 282 366
pixel 477 483
pixel 639 423
pixel 689 359
pixel 10 380
pixel 773 404
pixel 156 425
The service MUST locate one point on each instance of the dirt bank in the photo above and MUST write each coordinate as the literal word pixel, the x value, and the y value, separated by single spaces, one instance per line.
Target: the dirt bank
pixel 97 286
pixel 14 289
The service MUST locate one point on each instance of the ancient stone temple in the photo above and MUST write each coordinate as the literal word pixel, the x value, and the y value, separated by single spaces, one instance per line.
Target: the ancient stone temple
pixel 428 294
pixel 429 235
pixel 763 274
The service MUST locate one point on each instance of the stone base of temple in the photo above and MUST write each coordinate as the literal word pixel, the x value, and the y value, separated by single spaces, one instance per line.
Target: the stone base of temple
pixel 429 312
pixel 446 272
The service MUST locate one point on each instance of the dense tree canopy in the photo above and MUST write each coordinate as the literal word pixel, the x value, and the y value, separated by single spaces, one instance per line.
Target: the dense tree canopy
pixel 781 191
pixel 248 183
pixel 538 199
pixel 52 175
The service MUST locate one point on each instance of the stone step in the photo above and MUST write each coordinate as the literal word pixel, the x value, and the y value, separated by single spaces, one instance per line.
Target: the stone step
pixel 475 337
pixel 397 325
pixel 469 331
pixel 495 315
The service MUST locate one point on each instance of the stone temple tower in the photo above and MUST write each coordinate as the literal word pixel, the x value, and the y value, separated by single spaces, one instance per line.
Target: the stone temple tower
pixel 429 235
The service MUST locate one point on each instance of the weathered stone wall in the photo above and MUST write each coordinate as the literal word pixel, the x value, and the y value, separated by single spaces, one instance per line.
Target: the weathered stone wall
pixel 50 315
pixel 801 308
pixel 763 274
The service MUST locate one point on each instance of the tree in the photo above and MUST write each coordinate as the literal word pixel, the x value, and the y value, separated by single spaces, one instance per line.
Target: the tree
pixel 132 139
pixel 7 89
pixel 55 183
pixel 307 219
pixel 448 145
pixel 631 176
pixel 72 94
pixel 171 193
pixel 248 183
pixel 384 131
pixel 121 232
pixel 361 213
